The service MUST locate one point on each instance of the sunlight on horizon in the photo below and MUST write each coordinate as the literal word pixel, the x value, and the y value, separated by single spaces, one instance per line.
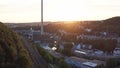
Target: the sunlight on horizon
pixel 58 10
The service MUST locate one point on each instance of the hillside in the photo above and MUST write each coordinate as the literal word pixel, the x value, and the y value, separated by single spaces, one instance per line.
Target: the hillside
pixel 113 20
pixel 12 52
pixel 111 25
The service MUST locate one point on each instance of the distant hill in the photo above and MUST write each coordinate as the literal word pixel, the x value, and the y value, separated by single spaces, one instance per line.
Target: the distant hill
pixel 12 52
pixel 113 20
pixel 111 25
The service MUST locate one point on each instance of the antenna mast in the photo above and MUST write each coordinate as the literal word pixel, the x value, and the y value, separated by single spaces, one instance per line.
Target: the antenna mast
pixel 42 17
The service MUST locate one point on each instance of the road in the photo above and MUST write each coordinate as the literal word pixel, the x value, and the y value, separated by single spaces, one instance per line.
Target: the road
pixel 37 60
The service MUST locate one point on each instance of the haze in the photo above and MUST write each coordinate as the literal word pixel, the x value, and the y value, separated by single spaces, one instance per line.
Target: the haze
pixel 58 10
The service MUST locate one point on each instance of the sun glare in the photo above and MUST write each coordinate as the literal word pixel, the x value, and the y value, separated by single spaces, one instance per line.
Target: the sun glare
pixel 66 11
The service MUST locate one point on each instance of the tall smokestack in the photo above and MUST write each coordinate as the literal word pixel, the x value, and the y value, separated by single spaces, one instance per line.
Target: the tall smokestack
pixel 42 17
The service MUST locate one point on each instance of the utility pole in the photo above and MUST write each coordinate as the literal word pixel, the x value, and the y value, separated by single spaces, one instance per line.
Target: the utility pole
pixel 42 31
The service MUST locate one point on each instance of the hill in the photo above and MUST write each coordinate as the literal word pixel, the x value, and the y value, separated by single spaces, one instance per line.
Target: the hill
pixel 113 21
pixel 12 52
pixel 111 25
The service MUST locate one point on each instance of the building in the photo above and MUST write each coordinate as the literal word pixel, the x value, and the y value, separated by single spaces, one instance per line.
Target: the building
pixel 37 38
pixel 93 64
pixel 98 52
pixel 88 65
pixel 77 62
pixel 116 52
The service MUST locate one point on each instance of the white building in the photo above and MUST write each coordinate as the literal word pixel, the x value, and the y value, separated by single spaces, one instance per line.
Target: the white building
pixel 116 52
pixel 88 30
pixel 99 52
pixel 88 65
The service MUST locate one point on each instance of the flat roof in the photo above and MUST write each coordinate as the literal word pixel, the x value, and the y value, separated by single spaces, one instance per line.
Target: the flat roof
pixel 78 59
pixel 91 64
pixel 81 52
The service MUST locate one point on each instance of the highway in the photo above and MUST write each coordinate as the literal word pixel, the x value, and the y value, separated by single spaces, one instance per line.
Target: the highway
pixel 37 60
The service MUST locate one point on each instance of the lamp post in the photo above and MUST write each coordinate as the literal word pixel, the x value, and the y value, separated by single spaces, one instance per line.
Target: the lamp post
pixel 42 17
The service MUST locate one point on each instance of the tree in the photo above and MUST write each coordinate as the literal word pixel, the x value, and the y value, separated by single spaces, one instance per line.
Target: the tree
pixel 67 49
pixel 10 49
pixel 63 64
pixel 110 63
pixel 23 62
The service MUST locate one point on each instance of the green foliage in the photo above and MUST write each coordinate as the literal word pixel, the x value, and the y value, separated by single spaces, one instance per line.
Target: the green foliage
pixel 100 66
pixel 67 49
pixel 53 61
pixel 110 63
pixel 62 64
pixel 47 56
pixel 107 45
pixel 23 62
pixel 12 52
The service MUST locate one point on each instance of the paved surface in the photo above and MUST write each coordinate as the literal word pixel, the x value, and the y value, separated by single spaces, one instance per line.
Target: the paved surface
pixel 37 60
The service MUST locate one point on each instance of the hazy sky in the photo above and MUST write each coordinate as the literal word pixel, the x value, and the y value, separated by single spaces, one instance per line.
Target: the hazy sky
pixel 58 10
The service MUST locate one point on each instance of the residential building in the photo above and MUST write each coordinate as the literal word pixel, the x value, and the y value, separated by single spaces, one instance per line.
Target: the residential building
pixel 84 63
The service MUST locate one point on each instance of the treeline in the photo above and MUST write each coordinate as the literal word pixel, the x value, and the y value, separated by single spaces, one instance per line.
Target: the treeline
pixel 109 25
pixel 12 52
pixel 106 45
pixel 51 60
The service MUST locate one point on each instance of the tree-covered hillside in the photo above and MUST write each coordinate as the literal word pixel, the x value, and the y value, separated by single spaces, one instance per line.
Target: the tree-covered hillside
pixel 12 52
pixel 111 26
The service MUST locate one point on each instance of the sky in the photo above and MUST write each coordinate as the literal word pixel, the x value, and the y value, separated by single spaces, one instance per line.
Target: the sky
pixel 58 10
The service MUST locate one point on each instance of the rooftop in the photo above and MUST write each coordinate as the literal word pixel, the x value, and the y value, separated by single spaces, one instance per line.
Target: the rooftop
pixel 91 64
pixel 78 59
